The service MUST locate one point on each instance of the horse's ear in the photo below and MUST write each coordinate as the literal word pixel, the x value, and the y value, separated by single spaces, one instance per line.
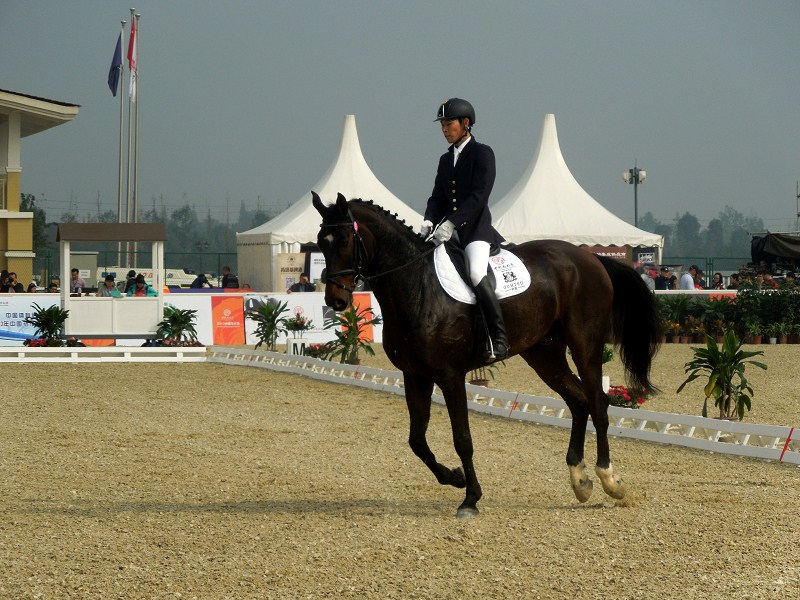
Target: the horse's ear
pixel 341 203
pixel 317 203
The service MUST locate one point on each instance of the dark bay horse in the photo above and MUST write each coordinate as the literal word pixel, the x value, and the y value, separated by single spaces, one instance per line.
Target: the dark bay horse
pixel 576 301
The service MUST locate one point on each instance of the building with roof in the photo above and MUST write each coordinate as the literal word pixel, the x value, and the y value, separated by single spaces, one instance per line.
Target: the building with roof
pixel 21 115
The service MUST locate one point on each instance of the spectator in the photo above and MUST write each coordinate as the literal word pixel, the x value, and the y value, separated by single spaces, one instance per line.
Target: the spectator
pixel 200 282
pixel 304 285
pixel 687 279
pixel 130 281
pixel 663 279
pixel 229 280
pixel 790 280
pixel 141 288
pixel 700 281
pixel 53 289
pixel 768 284
pixel 32 287
pixel 733 281
pixel 76 284
pixel 716 281
pixel 108 289
pixel 12 286
pixel 246 287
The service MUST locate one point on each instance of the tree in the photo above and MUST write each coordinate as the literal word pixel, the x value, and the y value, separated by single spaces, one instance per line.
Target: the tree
pixel 41 242
pixel 687 235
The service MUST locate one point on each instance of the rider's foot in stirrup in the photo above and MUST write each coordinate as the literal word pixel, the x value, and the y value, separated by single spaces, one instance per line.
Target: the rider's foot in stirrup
pixel 496 351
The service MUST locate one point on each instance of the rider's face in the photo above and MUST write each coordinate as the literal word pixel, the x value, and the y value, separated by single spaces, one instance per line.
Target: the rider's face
pixel 453 130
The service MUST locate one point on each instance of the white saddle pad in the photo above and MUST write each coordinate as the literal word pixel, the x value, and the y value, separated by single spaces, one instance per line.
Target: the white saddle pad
pixel 510 274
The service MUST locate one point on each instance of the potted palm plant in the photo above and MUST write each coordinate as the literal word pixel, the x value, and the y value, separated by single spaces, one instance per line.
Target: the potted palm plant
pixel 269 322
pixel 177 328
pixel 725 367
pixel 349 327
pixel 49 324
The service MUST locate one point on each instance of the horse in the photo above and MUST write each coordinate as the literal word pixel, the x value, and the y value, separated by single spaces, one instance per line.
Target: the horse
pixel 577 301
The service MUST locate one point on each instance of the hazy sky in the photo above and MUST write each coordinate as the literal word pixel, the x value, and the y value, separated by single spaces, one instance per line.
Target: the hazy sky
pixel 245 100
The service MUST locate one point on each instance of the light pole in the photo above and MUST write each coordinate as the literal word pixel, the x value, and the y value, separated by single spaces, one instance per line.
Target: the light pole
pixel 635 176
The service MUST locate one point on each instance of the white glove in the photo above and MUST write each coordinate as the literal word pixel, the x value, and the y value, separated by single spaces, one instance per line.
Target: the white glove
pixel 426 228
pixel 444 232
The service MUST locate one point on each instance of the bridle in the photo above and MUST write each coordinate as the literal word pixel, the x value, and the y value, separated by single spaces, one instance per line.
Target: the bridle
pixel 360 248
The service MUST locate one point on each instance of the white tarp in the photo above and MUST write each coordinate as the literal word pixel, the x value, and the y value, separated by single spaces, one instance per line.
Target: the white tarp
pixel 548 203
pixel 299 224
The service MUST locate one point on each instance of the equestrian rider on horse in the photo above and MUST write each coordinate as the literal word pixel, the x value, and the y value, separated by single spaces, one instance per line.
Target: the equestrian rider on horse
pixel 460 203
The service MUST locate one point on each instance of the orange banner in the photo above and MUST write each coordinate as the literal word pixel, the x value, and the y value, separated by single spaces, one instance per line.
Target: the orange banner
pixel 227 315
pixel 362 301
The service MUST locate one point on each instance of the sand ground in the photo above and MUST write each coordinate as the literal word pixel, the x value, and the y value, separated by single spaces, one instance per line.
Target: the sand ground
pixel 208 481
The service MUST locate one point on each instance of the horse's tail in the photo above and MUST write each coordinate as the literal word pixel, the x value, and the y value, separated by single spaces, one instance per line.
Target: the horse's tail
pixel 635 326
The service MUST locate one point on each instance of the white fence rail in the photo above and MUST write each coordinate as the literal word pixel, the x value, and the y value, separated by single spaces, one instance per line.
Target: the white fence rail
pixel 768 442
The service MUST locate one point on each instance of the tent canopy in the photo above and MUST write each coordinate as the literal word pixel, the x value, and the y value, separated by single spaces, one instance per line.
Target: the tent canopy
pixel 548 203
pixel 349 175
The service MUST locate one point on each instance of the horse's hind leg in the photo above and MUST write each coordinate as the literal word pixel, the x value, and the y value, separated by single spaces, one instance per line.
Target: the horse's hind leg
pixel 550 363
pixel 418 399
pixel 591 374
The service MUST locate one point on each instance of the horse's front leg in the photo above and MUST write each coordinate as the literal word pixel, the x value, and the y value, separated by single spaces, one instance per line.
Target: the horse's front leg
pixel 418 399
pixel 455 397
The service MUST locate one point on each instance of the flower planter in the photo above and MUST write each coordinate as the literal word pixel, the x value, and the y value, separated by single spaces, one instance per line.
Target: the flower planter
pixel 783 339
pixel 482 382
pixel 773 340
pixel 684 339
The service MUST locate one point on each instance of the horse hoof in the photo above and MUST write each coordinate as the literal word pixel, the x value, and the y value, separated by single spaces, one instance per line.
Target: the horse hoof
pixel 583 490
pixel 466 512
pixel 612 483
pixel 458 480
pixel 581 483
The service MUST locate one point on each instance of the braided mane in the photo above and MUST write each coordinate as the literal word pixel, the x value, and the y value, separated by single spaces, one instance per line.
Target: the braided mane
pixel 394 217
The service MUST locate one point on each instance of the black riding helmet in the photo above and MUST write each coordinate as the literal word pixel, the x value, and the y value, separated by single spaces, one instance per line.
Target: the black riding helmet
pixel 456 108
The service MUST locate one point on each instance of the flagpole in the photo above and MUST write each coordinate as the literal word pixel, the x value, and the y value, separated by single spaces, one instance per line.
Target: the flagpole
pixel 121 120
pixel 136 142
pixel 128 257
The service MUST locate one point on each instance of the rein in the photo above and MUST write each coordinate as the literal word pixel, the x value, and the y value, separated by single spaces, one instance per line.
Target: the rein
pixel 355 270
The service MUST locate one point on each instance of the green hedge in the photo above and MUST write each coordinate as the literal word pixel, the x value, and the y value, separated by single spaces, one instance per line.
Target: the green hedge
pixel 749 313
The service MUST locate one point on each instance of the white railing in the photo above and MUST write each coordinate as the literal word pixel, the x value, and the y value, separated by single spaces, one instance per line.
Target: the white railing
pixel 768 442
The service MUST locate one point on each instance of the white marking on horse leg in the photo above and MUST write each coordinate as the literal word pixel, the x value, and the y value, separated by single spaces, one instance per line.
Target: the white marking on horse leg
pixel 612 484
pixel 581 484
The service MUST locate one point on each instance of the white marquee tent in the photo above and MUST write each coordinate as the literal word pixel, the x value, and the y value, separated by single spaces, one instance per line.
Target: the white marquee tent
pixel 548 203
pixel 349 175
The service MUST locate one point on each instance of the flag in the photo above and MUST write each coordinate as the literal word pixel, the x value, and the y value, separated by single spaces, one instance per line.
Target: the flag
pixel 116 67
pixel 132 55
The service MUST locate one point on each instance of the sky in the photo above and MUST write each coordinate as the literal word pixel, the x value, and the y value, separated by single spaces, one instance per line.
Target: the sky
pixel 243 101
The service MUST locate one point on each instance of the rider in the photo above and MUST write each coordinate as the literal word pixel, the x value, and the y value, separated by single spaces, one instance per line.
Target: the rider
pixel 460 203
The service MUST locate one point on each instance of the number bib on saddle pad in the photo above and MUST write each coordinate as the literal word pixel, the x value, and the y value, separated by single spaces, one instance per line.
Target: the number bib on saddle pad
pixel 510 275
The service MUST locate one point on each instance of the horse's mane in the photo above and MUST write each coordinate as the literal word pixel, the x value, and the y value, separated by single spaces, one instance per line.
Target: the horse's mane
pixel 392 218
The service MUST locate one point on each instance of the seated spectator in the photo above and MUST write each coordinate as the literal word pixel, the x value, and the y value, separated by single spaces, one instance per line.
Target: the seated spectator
pixel 53 288
pixel 246 287
pixel 790 280
pixel 304 285
pixel 769 283
pixel 32 287
pixel 733 281
pixel 141 288
pixel 76 284
pixel 130 281
pixel 12 285
pixel 200 282
pixel 716 282
pixel 700 281
pixel 108 289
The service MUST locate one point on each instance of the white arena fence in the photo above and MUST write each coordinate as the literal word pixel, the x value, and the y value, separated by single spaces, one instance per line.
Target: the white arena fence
pixel 767 442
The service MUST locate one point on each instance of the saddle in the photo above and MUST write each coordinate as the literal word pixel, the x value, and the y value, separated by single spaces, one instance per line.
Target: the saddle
pixel 506 271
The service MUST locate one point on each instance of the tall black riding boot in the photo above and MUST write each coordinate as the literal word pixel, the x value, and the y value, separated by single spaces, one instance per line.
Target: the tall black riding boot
pixel 490 306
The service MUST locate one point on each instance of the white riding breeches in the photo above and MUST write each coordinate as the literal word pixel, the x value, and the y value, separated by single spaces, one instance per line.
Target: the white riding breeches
pixel 478 258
